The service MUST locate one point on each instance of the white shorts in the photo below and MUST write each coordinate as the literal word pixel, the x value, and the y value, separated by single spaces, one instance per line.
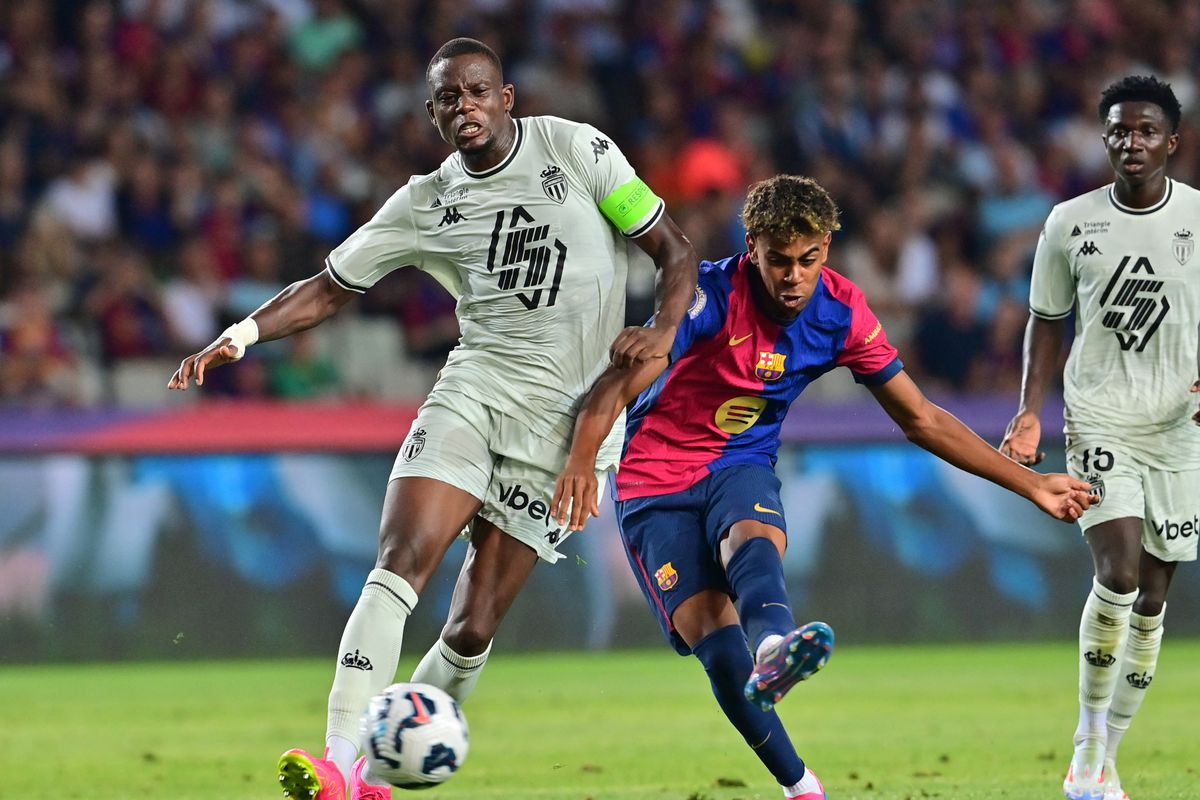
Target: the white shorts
pixel 494 457
pixel 1168 503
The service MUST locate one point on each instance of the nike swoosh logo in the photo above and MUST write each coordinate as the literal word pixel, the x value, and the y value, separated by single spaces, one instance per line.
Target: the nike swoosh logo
pixel 759 508
pixel 736 340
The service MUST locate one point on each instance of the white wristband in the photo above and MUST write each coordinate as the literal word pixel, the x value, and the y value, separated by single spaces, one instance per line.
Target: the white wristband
pixel 241 335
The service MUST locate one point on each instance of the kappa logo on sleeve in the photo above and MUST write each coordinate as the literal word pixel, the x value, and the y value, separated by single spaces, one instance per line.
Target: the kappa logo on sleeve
pixel 599 147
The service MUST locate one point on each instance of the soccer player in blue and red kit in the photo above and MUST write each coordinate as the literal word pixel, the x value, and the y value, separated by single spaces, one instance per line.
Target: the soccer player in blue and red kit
pixel 697 496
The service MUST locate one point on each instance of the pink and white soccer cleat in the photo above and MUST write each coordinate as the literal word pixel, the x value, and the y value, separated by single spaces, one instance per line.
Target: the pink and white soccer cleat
pixel 808 794
pixel 303 776
pixel 361 790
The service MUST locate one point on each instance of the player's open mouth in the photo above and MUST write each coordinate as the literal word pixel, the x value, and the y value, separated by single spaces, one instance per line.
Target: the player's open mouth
pixel 470 129
pixel 1134 166
pixel 791 300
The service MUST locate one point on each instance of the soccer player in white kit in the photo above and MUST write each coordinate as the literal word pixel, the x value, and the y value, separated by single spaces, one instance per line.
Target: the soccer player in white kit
pixel 531 224
pixel 1123 257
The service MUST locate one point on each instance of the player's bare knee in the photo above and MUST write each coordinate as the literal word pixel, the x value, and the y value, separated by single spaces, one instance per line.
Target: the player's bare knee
pixel 1149 606
pixel 468 637
pixel 742 533
pixel 1119 578
pixel 409 558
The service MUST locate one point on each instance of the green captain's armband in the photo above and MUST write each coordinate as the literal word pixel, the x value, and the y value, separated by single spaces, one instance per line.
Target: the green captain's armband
pixel 629 204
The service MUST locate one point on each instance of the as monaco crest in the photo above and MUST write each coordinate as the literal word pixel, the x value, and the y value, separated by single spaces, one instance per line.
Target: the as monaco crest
pixel 413 445
pixel 554 184
pixel 770 365
pixel 666 576
pixel 1183 245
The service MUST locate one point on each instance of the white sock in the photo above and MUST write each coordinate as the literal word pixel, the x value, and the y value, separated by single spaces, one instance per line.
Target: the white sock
pixel 1137 671
pixel 341 751
pixel 454 674
pixel 1103 629
pixel 808 783
pixel 769 641
pixel 368 655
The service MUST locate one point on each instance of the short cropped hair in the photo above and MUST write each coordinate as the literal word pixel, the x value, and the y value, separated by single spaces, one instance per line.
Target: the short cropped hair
pixel 463 46
pixel 1142 88
pixel 788 207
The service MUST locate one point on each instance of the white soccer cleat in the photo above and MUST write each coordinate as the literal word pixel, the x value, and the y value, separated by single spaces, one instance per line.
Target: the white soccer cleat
pixel 1112 782
pixel 1085 776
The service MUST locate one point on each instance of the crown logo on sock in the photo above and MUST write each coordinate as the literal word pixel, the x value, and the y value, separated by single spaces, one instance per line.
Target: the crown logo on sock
pixel 1139 680
pixel 356 661
pixel 1099 658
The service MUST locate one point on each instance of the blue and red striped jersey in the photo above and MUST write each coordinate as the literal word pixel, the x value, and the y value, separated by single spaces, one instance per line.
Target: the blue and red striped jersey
pixel 735 371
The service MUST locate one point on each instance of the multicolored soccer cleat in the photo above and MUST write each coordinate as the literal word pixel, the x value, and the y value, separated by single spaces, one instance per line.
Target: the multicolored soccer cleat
pixel 1112 782
pixel 796 657
pixel 361 790
pixel 305 777
pixel 1085 777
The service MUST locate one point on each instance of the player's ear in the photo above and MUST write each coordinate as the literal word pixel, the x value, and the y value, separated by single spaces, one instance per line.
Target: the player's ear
pixel 750 245
pixel 1172 143
pixel 429 110
pixel 510 96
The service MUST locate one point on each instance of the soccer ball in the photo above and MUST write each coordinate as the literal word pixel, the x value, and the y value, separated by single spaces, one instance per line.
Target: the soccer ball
pixel 414 735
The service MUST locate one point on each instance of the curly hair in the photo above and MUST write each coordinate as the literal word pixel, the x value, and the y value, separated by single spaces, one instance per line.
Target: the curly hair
pixel 789 206
pixel 1142 88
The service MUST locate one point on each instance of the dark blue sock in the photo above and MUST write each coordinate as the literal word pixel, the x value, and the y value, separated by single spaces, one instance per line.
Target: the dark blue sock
pixel 726 659
pixel 755 573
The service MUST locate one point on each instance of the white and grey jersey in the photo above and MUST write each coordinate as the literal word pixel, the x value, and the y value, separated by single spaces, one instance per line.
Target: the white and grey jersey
pixel 536 251
pixel 1134 277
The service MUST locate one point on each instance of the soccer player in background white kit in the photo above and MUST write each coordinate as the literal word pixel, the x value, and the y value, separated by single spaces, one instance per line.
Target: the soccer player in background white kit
pixel 531 224
pixel 1124 258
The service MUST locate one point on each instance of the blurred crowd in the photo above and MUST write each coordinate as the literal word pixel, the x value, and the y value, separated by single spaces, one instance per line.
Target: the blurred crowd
pixel 168 165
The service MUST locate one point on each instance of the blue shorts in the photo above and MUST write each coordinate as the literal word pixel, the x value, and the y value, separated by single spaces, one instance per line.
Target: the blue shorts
pixel 673 541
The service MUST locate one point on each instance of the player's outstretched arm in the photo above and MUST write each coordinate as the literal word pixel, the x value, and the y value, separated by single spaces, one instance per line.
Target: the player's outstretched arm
pixel 677 263
pixel 1043 342
pixel 944 435
pixel 575 492
pixel 298 307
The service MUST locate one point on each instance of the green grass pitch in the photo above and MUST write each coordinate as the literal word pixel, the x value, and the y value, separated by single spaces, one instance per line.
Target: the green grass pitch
pixel 960 722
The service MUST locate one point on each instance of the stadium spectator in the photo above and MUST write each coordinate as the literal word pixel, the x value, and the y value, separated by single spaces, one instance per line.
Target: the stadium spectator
pixel 153 123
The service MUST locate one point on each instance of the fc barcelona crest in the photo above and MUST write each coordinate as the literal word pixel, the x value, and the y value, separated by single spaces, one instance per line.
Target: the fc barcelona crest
pixel 413 445
pixel 1183 245
pixel 770 365
pixel 666 576
pixel 554 184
